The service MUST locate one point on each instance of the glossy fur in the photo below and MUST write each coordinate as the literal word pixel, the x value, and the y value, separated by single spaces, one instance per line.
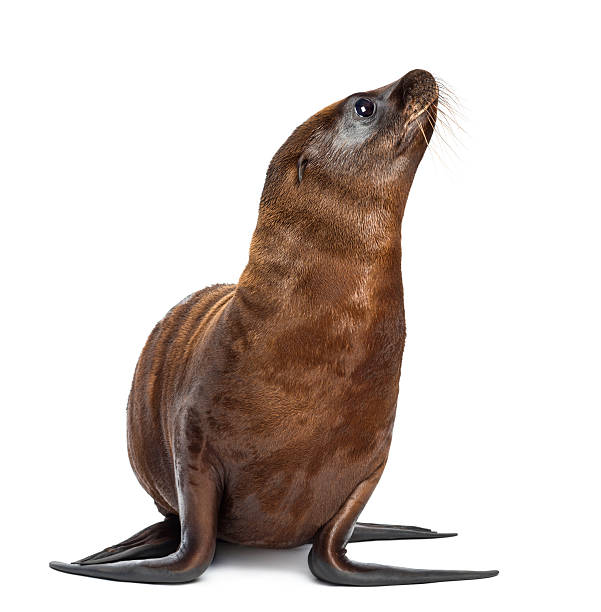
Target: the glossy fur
pixel 261 413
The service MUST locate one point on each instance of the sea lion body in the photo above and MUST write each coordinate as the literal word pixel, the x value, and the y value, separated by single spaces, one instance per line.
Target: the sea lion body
pixel 276 413
pixel 261 413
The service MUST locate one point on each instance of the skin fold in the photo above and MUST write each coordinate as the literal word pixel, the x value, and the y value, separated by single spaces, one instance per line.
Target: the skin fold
pixel 261 413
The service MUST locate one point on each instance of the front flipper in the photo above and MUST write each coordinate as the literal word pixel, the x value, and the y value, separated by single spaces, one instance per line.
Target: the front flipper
pixel 187 548
pixel 158 540
pixel 328 560
pixel 369 532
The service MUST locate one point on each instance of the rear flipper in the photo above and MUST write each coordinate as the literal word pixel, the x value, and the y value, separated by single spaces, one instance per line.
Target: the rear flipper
pixel 328 560
pixel 369 532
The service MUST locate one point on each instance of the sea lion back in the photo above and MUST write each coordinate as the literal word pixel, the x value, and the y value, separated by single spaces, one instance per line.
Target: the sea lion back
pixel 157 380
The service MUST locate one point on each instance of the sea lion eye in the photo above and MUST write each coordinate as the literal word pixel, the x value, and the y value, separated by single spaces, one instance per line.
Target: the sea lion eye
pixel 364 107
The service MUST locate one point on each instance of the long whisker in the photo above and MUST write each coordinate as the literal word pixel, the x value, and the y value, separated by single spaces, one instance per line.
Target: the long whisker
pixel 445 141
pixel 423 133
pixel 448 110
pixel 446 91
pixel 444 120
pixel 450 125
pixel 451 101
pixel 428 143
pixel 445 108
pixel 443 117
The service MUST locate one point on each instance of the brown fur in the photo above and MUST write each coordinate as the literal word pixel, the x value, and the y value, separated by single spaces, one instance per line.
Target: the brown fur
pixel 287 382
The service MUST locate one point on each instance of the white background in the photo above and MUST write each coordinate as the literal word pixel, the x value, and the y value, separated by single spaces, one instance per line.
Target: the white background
pixel 134 138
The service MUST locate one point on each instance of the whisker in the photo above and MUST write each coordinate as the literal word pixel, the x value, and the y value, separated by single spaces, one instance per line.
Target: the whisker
pixel 444 119
pixel 449 122
pixel 444 95
pixel 449 110
pixel 428 143
pixel 446 143
pixel 445 90
pixel 438 135
pixel 445 107
pixel 423 133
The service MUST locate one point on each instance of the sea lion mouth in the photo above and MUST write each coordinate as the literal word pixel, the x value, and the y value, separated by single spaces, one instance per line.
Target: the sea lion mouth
pixel 421 122
pixel 422 113
pixel 419 126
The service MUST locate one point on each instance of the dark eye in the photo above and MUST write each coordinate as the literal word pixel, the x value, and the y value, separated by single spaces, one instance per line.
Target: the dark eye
pixel 364 107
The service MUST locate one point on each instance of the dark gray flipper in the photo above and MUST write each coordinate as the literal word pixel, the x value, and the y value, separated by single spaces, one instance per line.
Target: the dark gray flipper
pixel 369 532
pixel 184 560
pixel 158 540
pixel 328 560
pixel 187 553
pixel 351 573
pixel 171 569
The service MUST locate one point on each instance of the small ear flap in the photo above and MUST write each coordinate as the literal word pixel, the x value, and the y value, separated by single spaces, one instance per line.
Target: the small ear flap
pixel 302 163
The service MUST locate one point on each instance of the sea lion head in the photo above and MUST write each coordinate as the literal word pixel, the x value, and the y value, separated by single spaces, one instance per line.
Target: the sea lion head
pixel 365 147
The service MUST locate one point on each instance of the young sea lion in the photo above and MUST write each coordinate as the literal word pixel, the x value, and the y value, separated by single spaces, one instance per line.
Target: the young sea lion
pixel 261 413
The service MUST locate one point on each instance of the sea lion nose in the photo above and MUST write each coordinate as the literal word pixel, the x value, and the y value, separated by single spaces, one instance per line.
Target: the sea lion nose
pixel 417 76
pixel 414 86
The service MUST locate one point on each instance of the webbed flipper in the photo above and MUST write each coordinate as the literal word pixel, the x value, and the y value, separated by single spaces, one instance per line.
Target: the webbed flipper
pixel 370 532
pixel 158 540
pixel 176 550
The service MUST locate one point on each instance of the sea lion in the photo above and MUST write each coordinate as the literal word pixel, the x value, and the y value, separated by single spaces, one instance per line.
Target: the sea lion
pixel 261 413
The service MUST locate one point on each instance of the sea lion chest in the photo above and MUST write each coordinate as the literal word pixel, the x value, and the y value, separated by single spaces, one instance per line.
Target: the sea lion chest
pixel 300 413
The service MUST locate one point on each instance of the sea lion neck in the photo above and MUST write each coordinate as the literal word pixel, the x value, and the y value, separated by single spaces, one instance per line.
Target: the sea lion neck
pixel 323 250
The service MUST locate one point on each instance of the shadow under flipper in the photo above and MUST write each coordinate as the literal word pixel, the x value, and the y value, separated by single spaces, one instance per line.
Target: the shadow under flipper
pixel 291 560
